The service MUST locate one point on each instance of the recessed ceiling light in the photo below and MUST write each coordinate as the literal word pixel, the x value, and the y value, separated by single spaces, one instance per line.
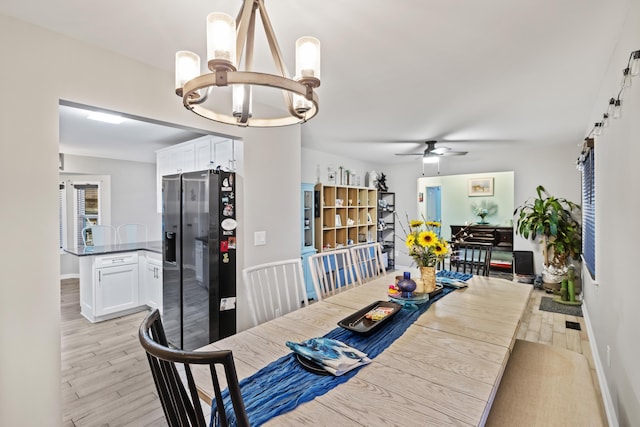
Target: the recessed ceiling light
pixel 107 118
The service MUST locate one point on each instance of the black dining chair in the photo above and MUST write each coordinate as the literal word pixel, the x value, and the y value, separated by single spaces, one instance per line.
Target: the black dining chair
pixel 474 258
pixel 182 408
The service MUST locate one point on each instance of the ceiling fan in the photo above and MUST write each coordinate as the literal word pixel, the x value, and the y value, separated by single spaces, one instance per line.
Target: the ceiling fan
pixel 432 154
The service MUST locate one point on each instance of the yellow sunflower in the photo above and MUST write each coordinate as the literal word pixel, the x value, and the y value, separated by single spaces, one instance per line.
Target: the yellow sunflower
pixel 433 224
pixel 415 223
pixel 427 238
pixel 440 248
pixel 411 240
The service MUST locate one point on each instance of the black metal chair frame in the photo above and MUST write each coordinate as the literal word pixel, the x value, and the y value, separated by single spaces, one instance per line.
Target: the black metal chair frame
pixel 474 258
pixel 178 405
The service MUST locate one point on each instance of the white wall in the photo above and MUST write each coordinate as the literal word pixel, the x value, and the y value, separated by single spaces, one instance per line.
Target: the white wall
pixel 29 285
pixel 611 299
pixel 311 159
pixel 132 196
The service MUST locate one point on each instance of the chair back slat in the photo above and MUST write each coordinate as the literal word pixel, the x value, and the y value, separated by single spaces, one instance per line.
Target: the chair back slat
pixel 181 404
pixel 333 271
pixel 474 258
pixel 274 289
pixel 368 260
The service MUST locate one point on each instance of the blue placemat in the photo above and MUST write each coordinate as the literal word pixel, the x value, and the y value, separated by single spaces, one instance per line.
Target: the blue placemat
pixel 454 275
pixel 284 384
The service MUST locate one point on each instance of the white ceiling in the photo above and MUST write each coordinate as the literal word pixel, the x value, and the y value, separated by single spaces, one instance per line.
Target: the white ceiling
pixel 489 72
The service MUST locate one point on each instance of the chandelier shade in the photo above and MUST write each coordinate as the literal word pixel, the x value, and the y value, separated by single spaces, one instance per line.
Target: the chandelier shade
pixel 227 41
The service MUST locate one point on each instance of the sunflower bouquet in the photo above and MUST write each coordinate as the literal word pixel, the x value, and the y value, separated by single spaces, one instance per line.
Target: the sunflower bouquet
pixel 424 245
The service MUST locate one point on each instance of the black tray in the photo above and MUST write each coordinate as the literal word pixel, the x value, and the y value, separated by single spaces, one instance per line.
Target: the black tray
pixel 360 324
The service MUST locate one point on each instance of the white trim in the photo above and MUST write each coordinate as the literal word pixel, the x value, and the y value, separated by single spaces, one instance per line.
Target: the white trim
pixel 602 379
pixel 70 276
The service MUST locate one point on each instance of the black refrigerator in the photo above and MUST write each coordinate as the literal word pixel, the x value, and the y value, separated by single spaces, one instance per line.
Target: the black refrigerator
pixel 199 257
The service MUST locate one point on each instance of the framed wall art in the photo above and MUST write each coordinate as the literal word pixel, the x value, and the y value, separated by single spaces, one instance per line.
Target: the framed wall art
pixel 481 187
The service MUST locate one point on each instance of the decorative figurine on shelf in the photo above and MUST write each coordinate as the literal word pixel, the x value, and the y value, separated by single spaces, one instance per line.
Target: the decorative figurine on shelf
pixel 381 182
pixel 331 175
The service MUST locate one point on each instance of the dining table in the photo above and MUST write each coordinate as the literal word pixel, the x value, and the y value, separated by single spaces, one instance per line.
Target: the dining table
pixel 444 369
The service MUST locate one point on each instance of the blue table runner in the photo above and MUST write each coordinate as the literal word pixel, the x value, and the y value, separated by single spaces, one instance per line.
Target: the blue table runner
pixel 284 384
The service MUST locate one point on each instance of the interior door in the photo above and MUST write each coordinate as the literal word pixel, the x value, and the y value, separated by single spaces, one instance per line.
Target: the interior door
pixel 434 204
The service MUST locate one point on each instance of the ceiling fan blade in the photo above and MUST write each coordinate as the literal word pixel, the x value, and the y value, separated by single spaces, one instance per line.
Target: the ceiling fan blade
pixel 454 153
pixel 409 154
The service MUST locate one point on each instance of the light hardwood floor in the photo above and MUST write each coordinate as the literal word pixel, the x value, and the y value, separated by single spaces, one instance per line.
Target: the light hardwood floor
pixel 106 379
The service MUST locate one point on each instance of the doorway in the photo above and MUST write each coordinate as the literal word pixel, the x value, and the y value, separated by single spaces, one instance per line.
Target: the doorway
pixel 433 205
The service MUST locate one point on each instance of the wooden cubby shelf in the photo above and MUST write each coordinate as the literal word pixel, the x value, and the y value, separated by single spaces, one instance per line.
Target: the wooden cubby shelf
pixel 346 215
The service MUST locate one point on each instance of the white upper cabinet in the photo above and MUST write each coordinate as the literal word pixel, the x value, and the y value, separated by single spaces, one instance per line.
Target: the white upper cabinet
pixel 206 152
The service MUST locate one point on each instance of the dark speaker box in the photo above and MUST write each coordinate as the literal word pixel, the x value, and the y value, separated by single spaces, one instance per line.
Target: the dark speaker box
pixel 523 263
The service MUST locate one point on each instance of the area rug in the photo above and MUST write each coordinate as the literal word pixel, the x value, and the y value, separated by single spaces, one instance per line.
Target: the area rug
pixel 548 304
pixel 545 386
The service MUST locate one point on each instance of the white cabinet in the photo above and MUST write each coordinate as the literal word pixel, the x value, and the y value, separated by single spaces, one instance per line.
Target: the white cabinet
pixel 198 154
pixel 116 289
pixel 153 284
pixel 116 284
pixel 203 153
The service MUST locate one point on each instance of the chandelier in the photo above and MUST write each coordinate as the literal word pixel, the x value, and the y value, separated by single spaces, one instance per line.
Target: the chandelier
pixel 225 43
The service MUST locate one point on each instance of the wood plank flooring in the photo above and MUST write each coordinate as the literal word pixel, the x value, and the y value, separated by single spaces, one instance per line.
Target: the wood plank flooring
pixel 106 379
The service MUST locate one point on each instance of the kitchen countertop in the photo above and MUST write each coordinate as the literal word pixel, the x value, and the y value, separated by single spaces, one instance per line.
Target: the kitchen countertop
pixel 117 248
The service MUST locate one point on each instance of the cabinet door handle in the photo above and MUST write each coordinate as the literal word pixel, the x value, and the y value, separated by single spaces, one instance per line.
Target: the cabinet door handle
pixel 99 276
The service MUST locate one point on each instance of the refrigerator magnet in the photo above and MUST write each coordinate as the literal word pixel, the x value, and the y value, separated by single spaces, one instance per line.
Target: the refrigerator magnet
pixel 229 224
pixel 232 242
pixel 224 246
pixel 228 303
pixel 225 258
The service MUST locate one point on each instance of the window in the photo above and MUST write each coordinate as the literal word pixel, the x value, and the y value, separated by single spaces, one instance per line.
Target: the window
pixel 589 213
pixel 62 199
pixel 86 208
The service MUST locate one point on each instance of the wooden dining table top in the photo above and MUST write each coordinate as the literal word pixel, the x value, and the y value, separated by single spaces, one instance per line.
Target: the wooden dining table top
pixel 444 370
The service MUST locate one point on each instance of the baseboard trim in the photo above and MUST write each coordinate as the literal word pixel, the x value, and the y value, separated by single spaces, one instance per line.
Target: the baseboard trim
pixel 609 408
pixel 70 276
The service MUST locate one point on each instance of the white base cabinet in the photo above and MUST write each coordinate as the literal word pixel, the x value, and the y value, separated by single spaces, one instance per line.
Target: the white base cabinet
pixel 153 283
pixel 116 289
pixel 119 284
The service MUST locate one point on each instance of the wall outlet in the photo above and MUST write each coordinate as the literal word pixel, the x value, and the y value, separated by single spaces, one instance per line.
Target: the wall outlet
pixel 608 356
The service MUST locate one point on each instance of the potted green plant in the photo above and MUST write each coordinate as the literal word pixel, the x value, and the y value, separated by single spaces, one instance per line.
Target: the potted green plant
pixel 552 219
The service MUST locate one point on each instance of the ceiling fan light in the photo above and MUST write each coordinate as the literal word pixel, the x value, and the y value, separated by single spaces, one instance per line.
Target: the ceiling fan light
pixel 430 159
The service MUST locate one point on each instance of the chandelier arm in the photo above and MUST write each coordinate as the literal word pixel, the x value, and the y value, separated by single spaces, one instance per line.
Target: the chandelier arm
pixel 248 60
pixel 247 11
pixel 275 52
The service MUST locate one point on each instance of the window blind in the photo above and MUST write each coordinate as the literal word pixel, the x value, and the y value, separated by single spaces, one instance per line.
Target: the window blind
pixel 589 213
pixel 87 208
pixel 62 209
